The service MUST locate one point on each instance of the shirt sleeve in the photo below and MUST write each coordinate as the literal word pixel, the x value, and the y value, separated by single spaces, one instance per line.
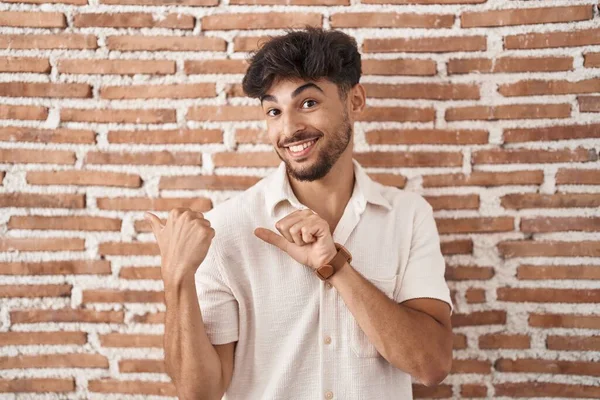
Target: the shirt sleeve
pixel 425 269
pixel 219 307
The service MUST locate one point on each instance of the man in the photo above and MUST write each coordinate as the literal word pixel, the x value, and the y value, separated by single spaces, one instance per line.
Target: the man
pixel 320 282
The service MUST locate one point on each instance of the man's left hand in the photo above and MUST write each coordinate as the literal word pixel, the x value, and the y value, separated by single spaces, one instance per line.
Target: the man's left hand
pixel 305 236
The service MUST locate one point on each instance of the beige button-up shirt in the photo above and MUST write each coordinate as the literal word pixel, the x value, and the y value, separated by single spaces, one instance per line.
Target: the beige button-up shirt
pixel 296 337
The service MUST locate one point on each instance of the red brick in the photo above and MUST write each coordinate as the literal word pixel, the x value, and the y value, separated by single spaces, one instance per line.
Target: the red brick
pixel 153 203
pixel 133 20
pixel 24 19
pixel 475 224
pixel 546 272
pixel 42 338
pixel 551 133
pixel 140 273
pixel 532 365
pixel 74 360
pixel 476 318
pixel 390 179
pixel 470 367
pixel 150 318
pixel 131 340
pixel 504 341
pixel 41 244
pixel 145 116
pixel 546 389
pixel 453 202
pixel 249 159
pixel 534 156
pixel 131 248
pixel 571 176
pixel 269 20
pixel 39 200
pixel 542 87
pixel 75 223
pixel 248 43
pixel 461 246
pixel 212 66
pixel 409 159
pixel 84 178
pixel 58 41
pixel 589 103
pixel 202 3
pixel 390 20
pixel 25 134
pixel 142 366
pixel 132 387
pixel 25 64
pixel 486 179
pixel 34 291
pixel 519 201
pixel 553 39
pixel 225 113
pixel 471 390
pixel 26 156
pixel 292 2
pixel 426 136
pixel 564 321
pixel 509 65
pixel 591 60
pixel 38 89
pixel 526 16
pixel 428 2
pixel 425 45
pixel 175 91
pixel 575 343
pixel 116 67
pixel 547 295
pixel 165 43
pixel 251 136
pixel 396 114
pixel 37 385
pixel 509 111
pixel 144 158
pixel 408 67
pixel 73 2
pixel 459 341
pixel 473 295
pixel 531 248
pixel 466 272
pixel 62 267
pixel 432 392
pixel 23 112
pixel 560 224
pixel 208 182
pixel 122 296
pixel 172 136
pixel 431 91
pixel 65 315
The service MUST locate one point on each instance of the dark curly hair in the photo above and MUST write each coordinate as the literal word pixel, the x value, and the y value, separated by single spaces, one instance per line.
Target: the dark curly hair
pixel 309 53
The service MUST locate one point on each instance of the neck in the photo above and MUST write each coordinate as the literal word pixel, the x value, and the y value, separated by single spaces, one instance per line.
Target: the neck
pixel 329 195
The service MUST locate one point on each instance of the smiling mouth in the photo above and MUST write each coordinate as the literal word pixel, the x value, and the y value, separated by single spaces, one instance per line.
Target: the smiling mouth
pixel 302 149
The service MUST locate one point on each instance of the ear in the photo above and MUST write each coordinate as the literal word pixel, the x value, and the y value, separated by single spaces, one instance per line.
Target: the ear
pixel 357 98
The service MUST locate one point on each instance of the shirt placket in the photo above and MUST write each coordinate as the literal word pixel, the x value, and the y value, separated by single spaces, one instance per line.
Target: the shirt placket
pixel 330 325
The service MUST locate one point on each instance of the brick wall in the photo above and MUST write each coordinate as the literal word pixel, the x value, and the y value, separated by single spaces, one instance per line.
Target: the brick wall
pixel 491 109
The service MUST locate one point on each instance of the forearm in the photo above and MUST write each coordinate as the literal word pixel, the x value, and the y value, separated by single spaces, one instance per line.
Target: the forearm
pixel 409 339
pixel 191 360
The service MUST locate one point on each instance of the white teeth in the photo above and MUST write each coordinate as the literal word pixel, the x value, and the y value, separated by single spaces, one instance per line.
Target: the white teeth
pixel 301 147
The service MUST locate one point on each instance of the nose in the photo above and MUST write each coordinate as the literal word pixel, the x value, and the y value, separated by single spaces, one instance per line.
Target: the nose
pixel 291 124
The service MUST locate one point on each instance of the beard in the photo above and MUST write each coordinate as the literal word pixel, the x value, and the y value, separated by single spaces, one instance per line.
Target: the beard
pixel 326 157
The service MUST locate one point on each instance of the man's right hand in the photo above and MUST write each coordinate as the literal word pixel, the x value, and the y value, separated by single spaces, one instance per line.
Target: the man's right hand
pixel 183 240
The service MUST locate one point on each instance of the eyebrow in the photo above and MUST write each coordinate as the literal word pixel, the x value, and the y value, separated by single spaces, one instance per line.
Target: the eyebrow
pixel 296 92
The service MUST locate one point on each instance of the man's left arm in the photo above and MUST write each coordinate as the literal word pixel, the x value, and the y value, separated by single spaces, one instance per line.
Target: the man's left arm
pixel 414 336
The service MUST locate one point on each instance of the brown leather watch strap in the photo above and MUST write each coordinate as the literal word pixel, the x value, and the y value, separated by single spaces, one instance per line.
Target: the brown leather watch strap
pixel 338 261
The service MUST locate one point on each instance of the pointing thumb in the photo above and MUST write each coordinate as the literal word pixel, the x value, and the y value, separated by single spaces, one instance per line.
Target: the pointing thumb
pixel 154 221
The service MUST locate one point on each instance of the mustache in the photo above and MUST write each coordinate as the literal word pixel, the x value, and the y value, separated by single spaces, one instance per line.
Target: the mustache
pixel 299 137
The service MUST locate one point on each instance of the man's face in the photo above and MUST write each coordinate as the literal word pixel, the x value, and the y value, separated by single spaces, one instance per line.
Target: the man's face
pixel 308 125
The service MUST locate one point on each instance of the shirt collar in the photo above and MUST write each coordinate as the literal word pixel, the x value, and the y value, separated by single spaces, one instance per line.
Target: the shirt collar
pixel 365 190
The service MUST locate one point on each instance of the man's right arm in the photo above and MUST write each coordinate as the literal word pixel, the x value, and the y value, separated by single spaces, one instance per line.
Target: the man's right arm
pixel 199 370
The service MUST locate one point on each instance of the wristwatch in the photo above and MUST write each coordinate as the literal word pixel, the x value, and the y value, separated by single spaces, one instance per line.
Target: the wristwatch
pixel 326 271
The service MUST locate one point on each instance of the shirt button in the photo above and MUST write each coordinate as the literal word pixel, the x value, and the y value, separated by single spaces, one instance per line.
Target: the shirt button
pixel 329 285
pixel 327 340
pixel 329 395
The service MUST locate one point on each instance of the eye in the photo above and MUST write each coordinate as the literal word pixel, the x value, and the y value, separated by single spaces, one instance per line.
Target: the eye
pixel 307 101
pixel 272 109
